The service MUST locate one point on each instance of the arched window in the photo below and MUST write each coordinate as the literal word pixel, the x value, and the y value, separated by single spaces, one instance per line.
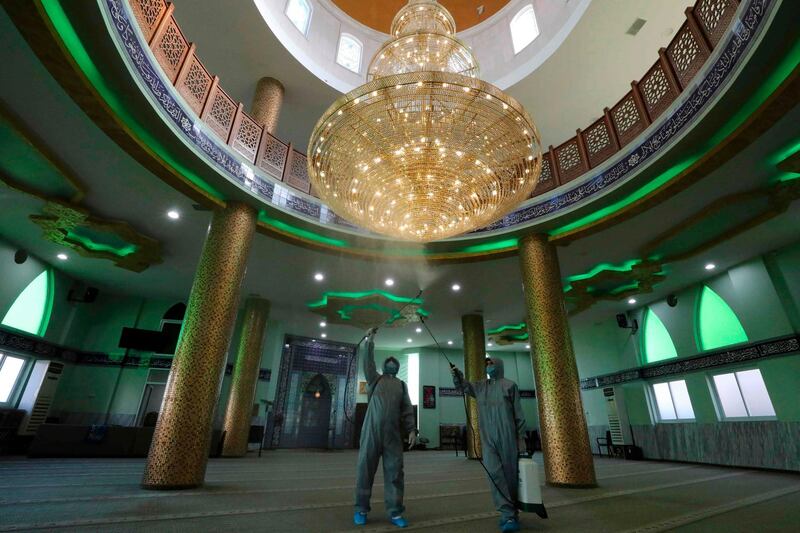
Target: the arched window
pixel 524 28
pixel 299 12
pixel 657 345
pixel 30 312
pixel 716 325
pixel 349 53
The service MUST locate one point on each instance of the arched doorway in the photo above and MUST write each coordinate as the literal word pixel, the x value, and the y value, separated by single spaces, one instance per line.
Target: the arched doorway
pixel 315 414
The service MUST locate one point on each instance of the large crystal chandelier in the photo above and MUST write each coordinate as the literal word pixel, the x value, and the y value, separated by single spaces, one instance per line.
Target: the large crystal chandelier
pixel 424 150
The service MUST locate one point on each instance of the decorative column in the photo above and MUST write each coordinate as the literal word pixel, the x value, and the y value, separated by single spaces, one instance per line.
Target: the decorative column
pixel 180 447
pixel 267 103
pixel 475 370
pixel 565 438
pixel 245 378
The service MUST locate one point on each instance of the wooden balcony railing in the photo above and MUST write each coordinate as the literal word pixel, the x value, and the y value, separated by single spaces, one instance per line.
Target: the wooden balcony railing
pixel 673 71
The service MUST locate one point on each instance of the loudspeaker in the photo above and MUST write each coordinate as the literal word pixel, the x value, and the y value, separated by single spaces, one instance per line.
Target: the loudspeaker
pixel 622 320
pixel 20 256
pixel 672 300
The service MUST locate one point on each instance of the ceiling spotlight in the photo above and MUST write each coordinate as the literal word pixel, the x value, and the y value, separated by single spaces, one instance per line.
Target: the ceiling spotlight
pixel 285 345
pixel 528 346
pixel 389 282
pixel 174 215
pixel 63 256
pixel 450 342
pixel 489 344
pixel 323 335
pixel 418 330
pixel 319 276
pixel 456 287
pixel 323 324
pixel 408 340
pixel 710 266
pixel 631 301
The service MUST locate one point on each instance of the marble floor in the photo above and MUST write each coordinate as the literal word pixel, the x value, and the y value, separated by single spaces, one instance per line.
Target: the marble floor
pixel 312 491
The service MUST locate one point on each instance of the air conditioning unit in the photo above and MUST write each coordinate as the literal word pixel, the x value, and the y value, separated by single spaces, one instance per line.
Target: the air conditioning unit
pixel 39 394
pixel 617 416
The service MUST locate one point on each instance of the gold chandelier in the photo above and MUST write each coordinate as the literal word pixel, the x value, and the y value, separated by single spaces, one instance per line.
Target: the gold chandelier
pixel 424 150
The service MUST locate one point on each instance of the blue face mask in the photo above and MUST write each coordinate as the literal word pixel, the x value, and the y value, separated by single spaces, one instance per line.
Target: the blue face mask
pixel 391 368
pixel 491 370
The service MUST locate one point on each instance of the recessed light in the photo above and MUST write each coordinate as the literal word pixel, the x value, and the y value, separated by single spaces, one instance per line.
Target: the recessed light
pixel 313 340
pixel 418 330
pixel 323 335
pixel 450 342
pixel 408 340
pixel 63 256
pixel 285 345
pixel 456 287
pixel 173 214
pixel 631 301
pixel 489 344
pixel 710 266
pixel 323 324
pixel 389 282
pixel 319 276
pixel 528 346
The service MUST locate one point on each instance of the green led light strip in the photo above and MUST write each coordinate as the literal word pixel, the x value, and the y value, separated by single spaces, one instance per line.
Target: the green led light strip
pixel 501 329
pixel 358 295
pixel 100 247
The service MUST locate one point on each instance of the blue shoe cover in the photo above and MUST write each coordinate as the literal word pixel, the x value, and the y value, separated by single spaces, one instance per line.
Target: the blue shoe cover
pixel 359 519
pixel 510 525
pixel 399 521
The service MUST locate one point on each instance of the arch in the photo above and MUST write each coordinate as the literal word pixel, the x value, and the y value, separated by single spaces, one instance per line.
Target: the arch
pixel 716 325
pixel 657 343
pixel 176 312
pixel 32 308
pixel 349 51
pixel 524 28
pixel 299 13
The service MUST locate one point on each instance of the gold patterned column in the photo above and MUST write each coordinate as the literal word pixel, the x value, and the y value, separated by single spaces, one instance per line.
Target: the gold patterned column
pixel 565 438
pixel 245 378
pixel 180 447
pixel 267 103
pixel 475 370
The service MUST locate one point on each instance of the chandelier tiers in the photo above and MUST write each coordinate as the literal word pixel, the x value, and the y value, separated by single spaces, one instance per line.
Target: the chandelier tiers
pixel 425 150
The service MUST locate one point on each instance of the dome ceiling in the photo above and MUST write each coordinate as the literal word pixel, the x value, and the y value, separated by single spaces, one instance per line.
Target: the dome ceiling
pixel 378 14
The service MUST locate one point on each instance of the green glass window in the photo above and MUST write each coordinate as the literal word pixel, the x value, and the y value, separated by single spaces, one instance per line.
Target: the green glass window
pixel 716 324
pixel 30 312
pixel 657 345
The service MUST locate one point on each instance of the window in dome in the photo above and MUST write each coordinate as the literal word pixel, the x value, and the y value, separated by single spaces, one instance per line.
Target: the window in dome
pixel 349 53
pixel 30 312
pixel 524 28
pixel 299 12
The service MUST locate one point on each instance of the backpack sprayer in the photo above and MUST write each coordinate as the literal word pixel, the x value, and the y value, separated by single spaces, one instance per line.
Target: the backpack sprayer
pixel 529 492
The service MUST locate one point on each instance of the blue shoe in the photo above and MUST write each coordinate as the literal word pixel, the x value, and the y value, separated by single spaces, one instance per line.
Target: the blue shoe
pixel 512 524
pixel 359 519
pixel 399 521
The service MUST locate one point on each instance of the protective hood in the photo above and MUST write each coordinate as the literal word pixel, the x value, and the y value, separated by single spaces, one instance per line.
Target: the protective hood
pixel 499 372
pixel 391 366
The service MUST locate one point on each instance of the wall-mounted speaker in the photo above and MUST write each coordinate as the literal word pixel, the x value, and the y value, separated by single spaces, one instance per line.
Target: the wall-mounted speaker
pixel 622 320
pixel 20 256
pixel 672 300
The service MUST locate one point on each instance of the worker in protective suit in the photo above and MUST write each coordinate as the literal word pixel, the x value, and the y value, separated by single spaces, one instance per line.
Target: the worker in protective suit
pixel 390 417
pixel 502 430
